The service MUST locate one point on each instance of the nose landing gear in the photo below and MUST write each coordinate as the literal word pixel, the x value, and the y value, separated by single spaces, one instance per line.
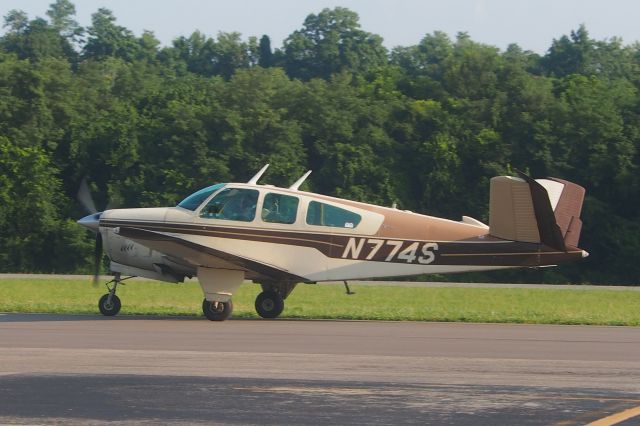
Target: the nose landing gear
pixel 109 304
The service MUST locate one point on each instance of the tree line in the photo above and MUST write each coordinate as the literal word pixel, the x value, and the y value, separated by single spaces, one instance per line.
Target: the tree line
pixel 424 126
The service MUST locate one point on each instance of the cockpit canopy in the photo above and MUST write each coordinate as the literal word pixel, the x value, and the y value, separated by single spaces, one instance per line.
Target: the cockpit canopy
pixel 241 204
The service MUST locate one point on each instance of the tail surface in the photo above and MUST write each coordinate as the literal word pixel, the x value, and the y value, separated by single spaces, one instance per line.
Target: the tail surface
pixel 543 211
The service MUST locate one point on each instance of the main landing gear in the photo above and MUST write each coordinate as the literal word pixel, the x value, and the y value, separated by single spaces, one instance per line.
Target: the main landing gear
pixel 270 303
pixel 217 311
pixel 109 304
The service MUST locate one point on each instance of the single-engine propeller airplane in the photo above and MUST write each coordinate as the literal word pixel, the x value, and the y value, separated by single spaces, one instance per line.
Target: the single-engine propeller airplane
pixel 279 237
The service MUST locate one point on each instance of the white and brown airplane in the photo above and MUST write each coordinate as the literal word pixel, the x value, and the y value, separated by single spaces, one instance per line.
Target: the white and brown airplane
pixel 278 237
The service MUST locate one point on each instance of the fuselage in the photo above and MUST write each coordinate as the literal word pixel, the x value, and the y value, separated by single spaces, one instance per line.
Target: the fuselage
pixel 312 237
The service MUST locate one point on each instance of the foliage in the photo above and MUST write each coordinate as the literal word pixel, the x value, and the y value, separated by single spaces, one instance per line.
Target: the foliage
pixel 331 42
pixel 423 126
pixel 33 234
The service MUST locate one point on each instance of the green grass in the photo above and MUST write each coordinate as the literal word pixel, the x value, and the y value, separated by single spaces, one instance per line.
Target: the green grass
pixel 511 305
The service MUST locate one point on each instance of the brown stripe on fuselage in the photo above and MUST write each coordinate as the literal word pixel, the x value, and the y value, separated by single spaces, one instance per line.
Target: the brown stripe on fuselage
pixel 320 241
pixel 483 250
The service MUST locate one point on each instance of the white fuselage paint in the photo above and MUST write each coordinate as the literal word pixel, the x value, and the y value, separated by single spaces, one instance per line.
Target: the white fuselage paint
pixel 306 262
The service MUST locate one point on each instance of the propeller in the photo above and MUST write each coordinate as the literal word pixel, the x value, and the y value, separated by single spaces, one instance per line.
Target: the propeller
pixel 85 198
pixel 92 222
pixel 97 258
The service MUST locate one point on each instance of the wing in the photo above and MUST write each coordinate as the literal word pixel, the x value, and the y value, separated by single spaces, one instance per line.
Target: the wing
pixel 199 255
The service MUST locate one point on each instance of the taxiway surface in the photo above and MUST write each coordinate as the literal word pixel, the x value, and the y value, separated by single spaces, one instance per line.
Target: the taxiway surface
pixel 90 369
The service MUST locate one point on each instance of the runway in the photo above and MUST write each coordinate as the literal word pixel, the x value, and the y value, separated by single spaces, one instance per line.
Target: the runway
pixel 141 370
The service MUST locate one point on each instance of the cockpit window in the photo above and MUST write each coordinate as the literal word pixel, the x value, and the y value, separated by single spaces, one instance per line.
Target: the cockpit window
pixel 194 200
pixel 279 208
pixel 232 204
pixel 327 215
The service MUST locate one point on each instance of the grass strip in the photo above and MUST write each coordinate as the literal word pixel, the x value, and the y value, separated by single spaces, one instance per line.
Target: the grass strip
pixel 493 305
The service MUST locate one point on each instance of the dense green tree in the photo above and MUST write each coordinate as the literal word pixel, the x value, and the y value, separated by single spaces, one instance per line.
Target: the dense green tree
pixel 35 101
pixel 16 21
pixel 425 126
pixel 580 54
pixel 591 125
pixel 423 66
pixel 265 54
pixel 570 54
pixel 256 104
pixel 206 56
pixel 61 14
pixel 35 39
pixel 34 237
pixel 107 39
pixel 331 42
pixel 181 141
pixel 342 125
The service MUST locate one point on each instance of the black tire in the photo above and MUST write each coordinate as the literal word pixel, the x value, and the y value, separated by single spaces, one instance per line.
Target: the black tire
pixel 109 309
pixel 219 311
pixel 269 304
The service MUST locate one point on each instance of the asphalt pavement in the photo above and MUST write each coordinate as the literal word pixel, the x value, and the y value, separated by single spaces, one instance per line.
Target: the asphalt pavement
pixel 67 369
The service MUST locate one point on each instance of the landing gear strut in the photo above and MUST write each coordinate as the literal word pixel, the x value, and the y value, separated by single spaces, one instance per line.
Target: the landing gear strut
pixel 109 304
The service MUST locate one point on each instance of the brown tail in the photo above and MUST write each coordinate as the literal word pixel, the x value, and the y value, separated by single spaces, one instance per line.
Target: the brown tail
pixel 567 211
pixel 539 211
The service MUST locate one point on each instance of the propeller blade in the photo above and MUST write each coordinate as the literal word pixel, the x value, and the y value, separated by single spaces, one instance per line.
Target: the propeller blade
pixel 85 198
pixel 97 258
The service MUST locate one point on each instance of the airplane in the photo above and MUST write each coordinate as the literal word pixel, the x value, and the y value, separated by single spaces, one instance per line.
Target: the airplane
pixel 277 237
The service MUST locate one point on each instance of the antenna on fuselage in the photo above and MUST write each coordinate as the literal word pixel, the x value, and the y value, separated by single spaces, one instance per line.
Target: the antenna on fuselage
pixel 254 179
pixel 300 181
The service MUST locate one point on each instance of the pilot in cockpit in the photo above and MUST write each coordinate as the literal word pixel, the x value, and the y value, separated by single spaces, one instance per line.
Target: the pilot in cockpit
pixel 232 204
pixel 242 208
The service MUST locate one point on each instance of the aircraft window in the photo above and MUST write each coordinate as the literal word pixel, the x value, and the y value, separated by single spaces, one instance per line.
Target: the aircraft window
pixel 194 200
pixel 278 208
pixel 232 204
pixel 328 215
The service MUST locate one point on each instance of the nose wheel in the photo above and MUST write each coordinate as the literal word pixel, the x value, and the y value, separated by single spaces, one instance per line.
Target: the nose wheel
pixel 109 305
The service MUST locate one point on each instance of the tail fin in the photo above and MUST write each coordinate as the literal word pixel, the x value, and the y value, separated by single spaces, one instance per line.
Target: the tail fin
pixel 567 211
pixel 538 211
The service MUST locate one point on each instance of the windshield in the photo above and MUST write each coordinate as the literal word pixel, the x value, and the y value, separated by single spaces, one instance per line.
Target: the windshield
pixel 194 200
